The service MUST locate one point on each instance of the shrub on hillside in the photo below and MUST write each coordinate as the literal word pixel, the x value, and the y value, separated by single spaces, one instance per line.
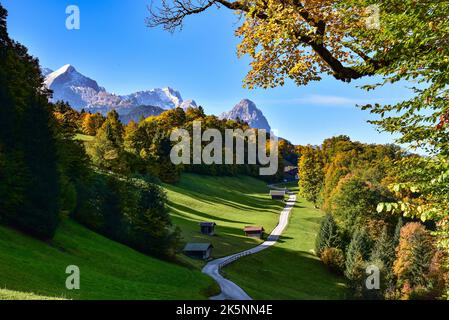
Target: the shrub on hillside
pixel 334 259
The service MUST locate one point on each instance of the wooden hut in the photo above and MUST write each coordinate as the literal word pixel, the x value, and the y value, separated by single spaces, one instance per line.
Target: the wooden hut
pixel 254 232
pixel 208 228
pixel 198 250
pixel 277 194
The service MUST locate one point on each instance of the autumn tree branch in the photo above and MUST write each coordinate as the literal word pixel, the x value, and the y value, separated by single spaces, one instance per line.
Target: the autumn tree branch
pixel 172 13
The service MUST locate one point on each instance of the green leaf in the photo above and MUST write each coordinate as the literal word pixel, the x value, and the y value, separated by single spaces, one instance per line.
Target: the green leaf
pixel 380 207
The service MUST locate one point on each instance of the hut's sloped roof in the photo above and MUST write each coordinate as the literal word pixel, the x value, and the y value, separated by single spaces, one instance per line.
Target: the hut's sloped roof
pixel 208 224
pixel 254 229
pixel 277 193
pixel 197 246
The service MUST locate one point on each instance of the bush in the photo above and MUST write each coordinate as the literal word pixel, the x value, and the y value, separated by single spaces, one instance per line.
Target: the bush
pixel 334 259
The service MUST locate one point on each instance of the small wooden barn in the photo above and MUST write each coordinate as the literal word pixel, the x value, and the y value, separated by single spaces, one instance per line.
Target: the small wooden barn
pixel 198 250
pixel 208 228
pixel 254 232
pixel 277 194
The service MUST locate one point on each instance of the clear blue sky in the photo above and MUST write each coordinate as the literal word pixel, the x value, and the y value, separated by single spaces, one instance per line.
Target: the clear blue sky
pixel 116 48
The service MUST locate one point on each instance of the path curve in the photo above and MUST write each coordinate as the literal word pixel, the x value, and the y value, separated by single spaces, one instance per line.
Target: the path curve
pixel 229 290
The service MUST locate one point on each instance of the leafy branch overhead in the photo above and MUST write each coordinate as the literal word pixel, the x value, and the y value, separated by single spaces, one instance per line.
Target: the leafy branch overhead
pixel 294 39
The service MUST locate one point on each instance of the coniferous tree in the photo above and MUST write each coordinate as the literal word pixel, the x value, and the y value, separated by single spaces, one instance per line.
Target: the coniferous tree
pixel 357 255
pixel 414 255
pixel 328 236
pixel 29 181
pixel 383 256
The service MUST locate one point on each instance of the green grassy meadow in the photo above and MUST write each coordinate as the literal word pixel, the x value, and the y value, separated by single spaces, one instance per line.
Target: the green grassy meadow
pixel 232 203
pixel 31 268
pixel 16 295
pixel 289 270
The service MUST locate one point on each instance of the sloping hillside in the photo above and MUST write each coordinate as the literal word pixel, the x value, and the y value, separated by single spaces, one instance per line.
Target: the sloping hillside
pixel 231 202
pixel 108 270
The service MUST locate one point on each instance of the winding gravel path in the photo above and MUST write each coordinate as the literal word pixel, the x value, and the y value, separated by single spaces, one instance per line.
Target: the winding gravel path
pixel 229 290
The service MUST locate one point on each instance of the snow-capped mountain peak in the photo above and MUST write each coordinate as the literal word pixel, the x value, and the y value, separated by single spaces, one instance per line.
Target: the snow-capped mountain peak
pixel 173 95
pixel 67 76
pixel 82 92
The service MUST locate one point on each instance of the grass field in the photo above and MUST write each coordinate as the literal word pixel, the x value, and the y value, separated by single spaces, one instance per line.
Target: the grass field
pixel 15 295
pixel 232 203
pixel 30 268
pixel 289 270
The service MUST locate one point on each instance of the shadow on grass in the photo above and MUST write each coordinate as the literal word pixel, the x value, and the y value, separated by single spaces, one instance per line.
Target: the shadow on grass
pixel 181 210
pixel 224 190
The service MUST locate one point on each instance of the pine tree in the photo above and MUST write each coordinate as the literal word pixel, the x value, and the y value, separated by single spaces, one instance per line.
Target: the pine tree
pixel 29 179
pixel 414 255
pixel 384 255
pixel 328 236
pixel 356 256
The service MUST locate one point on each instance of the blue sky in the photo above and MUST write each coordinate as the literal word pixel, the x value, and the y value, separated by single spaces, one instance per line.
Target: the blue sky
pixel 117 49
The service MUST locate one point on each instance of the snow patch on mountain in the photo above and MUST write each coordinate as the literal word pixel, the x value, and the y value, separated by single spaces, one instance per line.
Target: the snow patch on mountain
pixel 46 71
pixel 166 98
pixel 188 104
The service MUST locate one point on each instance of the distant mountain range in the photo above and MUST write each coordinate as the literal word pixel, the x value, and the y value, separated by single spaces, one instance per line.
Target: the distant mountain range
pixel 82 92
